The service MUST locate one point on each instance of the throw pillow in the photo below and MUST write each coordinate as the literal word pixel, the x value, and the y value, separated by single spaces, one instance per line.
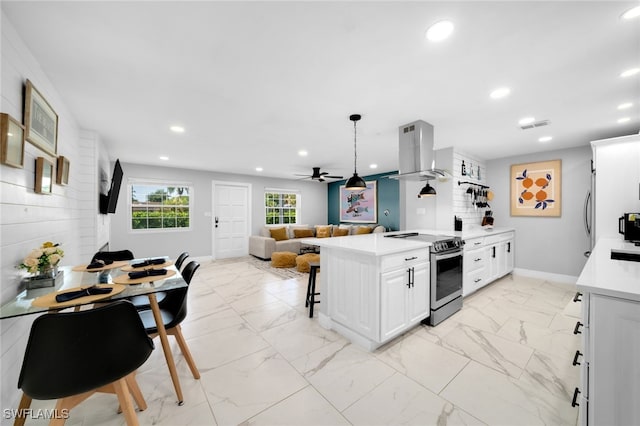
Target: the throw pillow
pixel 302 233
pixel 279 234
pixel 363 230
pixel 323 231
pixel 339 232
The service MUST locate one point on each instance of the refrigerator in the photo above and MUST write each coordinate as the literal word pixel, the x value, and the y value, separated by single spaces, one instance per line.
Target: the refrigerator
pixel 615 186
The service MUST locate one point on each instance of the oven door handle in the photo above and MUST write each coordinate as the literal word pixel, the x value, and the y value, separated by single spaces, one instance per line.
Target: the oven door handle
pixel 448 255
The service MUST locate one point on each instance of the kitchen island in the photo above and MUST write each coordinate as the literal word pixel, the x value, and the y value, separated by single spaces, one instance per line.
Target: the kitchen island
pixel 374 288
pixel 610 328
pixel 365 291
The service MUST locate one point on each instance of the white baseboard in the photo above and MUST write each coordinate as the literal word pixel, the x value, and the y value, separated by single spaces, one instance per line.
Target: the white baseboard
pixel 560 278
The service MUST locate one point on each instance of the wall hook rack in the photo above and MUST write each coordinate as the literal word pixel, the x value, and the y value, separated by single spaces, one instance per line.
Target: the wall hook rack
pixel 472 183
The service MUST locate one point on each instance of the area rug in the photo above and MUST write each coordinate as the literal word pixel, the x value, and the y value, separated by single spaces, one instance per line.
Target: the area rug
pixel 265 265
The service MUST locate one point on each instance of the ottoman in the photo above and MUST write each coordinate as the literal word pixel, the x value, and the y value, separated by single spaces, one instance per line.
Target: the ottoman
pixel 283 259
pixel 303 260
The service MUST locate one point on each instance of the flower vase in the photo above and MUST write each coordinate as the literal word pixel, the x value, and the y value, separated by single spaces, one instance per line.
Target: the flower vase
pixel 47 276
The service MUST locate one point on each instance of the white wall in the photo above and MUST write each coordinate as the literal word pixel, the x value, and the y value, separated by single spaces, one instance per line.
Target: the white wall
pixel 547 244
pixel 28 219
pixel 198 241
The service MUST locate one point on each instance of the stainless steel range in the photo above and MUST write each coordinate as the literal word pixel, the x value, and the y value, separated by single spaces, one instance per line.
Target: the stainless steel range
pixel 446 273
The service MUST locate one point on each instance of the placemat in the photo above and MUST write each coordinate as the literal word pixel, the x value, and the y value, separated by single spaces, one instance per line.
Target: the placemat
pixel 124 278
pixel 49 300
pixel 129 268
pixel 114 265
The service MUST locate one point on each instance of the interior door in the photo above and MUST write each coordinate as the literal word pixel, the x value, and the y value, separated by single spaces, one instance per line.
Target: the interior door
pixel 231 219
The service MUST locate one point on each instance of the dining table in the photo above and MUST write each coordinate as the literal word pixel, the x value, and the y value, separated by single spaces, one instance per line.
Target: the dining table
pixel 115 277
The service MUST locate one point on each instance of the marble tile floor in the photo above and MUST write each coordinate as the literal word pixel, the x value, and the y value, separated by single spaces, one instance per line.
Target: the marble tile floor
pixel 505 359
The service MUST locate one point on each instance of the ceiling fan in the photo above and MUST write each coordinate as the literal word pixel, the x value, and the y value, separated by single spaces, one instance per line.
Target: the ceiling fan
pixel 319 176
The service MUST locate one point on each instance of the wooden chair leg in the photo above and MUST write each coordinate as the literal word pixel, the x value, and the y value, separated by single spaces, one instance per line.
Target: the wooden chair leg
pixel 136 393
pixel 126 403
pixel 177 332
pixel 25 403
pixel 58 419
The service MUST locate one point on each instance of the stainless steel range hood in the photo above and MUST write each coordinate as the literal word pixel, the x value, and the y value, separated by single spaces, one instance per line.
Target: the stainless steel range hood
pixel 416 155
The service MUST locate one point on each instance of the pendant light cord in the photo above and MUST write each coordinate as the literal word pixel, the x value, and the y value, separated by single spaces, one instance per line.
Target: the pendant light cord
pixel 355 150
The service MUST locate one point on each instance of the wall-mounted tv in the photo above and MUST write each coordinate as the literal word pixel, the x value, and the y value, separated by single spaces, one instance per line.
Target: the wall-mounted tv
pixel 109 201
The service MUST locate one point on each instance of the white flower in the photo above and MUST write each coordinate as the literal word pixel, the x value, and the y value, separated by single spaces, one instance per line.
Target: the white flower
pixel 31 262
pixel 54 259
pixel 35 254
pixel 50 250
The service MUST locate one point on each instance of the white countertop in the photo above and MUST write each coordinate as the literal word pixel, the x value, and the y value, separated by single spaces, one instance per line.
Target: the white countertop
pixel 603 275
pixel 377 245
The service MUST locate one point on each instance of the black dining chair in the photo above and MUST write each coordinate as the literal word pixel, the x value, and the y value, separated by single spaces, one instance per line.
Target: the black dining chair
pixel 180 260
pixel 113 255
pixel 71 355
pixel 142 302
pixel 173 309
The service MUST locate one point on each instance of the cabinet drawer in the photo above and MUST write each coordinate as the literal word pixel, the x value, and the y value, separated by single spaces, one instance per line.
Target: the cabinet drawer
pixel 406 258
pixel 496 238
pixel 474 259
pixel 473 243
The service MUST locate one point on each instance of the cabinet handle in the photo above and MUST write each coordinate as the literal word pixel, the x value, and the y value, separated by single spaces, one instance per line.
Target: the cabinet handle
pixel 575 358
pixel 576 329
pixel 576 298
pixel 574 401
pixel 409 278
pixel 477 280
pixel 413 277
pixel 410 258
pixel 509 247
pixel 493 251
pixel 477 243
pixel 477 260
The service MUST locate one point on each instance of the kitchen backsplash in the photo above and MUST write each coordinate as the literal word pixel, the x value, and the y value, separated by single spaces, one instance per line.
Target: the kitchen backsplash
pixel 463 205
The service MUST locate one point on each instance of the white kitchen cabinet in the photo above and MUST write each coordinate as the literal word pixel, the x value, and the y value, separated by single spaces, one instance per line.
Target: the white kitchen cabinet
pixel 405 298
pixel 486 259
pixel 610 368
pixel 372 299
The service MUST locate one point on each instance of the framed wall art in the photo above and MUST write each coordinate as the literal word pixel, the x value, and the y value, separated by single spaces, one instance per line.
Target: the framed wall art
pixel 359 205
pixel 40 121
pixel 44 176
pixel 536 189
pixel 62 171
pixel 12 138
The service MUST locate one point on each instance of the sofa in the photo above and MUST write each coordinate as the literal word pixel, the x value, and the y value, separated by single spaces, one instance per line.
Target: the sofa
pixel 288 237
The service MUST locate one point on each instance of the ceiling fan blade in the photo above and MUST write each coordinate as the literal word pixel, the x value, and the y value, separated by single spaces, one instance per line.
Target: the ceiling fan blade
pixel 296 174
pixel 333 177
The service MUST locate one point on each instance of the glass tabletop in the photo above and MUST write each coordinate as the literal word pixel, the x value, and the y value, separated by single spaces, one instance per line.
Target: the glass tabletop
pixel 22 304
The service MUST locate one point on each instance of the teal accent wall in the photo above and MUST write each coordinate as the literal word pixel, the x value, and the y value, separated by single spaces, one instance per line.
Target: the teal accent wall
pixel 388 199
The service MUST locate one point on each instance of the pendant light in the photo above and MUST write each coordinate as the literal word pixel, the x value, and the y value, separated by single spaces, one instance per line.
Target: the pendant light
pixel 427 191
pixel 355 181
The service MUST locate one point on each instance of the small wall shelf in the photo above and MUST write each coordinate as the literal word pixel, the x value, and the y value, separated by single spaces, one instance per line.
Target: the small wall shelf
pixel 472 183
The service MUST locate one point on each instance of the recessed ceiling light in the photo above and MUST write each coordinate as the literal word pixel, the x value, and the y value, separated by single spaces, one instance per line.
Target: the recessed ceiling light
pixel 625 105
pixel 545 139
pixel 373 166
pixel 164 158
pixel 634 12
pixel 500 93
pixel 630 72
pixel 624 119
pixel 526 120
pixel 440 31
pixel 259 169
pixel 177 129
pixel 303 153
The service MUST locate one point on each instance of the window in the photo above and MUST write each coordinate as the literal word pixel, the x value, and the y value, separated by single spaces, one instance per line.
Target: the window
pixel 281 207
pixel 157 206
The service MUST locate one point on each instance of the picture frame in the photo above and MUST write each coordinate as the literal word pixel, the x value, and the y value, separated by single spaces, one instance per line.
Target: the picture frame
pixel 12 139
pixel 359 205
pixel 44 176
pixel 536 189
pixel 62 170
pixel 40 121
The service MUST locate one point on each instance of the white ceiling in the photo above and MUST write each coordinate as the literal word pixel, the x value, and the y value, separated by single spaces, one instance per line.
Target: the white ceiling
pixel 255 82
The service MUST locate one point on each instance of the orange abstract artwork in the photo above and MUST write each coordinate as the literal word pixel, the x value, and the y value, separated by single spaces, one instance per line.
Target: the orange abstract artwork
pixel 535 189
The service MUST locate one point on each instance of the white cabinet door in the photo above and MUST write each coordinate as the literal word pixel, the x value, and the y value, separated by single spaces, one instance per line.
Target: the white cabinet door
pixel 509 255
pixel 419 294
pixel 493 262
pixel 393 292
pixel 614 369
pixel 474 270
